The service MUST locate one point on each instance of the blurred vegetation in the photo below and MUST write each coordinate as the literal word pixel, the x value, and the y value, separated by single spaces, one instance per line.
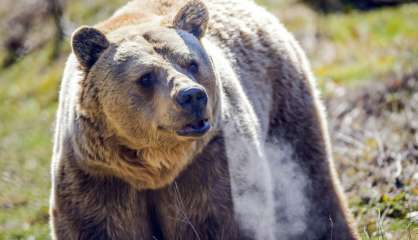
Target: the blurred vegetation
pixel 353 51
pixel 327 6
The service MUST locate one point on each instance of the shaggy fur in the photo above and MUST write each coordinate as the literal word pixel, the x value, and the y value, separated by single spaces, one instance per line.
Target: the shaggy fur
pixel 120 171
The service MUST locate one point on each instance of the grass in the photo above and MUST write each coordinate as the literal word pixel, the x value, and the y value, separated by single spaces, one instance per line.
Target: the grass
pixel 355 47
pixel 362 47
pixel 383 43
pixel 28 99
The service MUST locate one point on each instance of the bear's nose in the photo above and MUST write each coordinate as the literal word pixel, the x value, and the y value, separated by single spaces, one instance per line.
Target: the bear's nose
pixel 193 100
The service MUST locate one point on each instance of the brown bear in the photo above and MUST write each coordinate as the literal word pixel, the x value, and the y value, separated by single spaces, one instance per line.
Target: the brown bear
pixel 192 120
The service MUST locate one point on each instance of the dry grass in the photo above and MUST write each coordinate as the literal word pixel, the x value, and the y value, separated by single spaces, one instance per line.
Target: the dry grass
pixel 375 136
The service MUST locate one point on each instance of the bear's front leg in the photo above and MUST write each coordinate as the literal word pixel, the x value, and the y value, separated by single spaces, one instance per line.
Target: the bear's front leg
pixel 91 207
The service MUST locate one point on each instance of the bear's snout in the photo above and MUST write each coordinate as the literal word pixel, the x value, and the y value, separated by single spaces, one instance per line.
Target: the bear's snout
pixel 193 100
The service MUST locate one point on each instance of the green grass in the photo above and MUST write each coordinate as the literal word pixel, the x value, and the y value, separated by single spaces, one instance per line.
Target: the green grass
pixel 370 45
pixel 366 47
pixel 391 217
pixel 28 96
pixel 353 48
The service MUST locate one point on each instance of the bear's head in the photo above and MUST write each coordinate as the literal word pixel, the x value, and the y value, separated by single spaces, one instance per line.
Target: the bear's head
pixel 153 91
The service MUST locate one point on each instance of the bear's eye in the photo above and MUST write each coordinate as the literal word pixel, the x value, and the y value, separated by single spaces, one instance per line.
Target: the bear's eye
pixel 193 67
pixel 147 80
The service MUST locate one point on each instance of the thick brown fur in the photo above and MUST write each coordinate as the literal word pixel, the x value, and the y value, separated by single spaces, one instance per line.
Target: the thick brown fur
pixel 119 169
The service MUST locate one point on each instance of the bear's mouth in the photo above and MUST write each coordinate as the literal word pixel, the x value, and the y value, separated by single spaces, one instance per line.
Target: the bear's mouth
pixel 195 129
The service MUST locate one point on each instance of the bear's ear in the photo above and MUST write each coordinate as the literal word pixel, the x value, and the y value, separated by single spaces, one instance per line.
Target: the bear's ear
pixel 88 44
pixel 193 18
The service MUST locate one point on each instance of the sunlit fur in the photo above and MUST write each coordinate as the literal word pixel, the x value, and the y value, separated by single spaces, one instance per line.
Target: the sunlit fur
pixel 120 171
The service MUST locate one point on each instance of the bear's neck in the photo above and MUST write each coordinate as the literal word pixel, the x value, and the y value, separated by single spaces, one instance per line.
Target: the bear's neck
pixel 99 153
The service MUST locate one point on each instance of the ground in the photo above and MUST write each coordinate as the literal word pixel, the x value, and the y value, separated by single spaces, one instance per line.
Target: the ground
pixel 366 65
